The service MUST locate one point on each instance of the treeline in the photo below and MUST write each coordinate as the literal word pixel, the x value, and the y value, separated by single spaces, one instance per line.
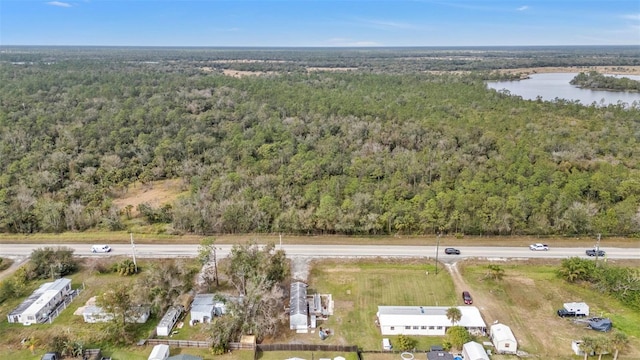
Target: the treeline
pixel 621 283
pixel 324 152
pixel 375 60
pixel 595 80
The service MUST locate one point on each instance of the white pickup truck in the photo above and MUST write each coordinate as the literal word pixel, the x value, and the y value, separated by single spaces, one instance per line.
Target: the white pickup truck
pixel 538 247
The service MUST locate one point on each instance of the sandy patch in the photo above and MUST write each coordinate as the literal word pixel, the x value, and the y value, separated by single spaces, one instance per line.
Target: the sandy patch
pixel 331 68
pixel 155 194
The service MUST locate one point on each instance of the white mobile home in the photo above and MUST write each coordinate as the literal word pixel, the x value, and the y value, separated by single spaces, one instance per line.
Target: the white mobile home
pixel 41 302
pixel 503 339
pixel 426 320
pixel 95 314
pixel 474 351
pixel 579 308
pixel 168 321
pixel 298 309
pixel 159 352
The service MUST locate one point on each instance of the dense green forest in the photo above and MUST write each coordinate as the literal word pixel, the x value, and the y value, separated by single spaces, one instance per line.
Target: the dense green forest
pixel 595 80
pixel 384 148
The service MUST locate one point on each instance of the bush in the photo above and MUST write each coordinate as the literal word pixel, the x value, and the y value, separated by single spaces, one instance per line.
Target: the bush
pixel 125 268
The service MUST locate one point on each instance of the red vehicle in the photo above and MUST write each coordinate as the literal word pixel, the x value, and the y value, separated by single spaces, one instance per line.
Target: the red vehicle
pixel 467 298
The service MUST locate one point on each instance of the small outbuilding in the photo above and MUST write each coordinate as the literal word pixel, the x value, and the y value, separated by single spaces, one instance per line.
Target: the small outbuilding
pixel 576 347
pixel 202 308
pixel 159 352
pixel 474 351
pixel 503 339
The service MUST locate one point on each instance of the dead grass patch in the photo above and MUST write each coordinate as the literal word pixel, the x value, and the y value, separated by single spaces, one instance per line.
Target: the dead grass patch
pixel 155 194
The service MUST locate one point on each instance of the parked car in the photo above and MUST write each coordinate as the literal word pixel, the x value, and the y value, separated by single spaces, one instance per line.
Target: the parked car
pixel 538 247
pixel 594 252
pixel 466 297
pixel 452 251
pixel 100 249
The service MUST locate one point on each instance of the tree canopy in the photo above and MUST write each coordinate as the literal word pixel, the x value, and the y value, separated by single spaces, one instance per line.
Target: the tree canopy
pixel 384 148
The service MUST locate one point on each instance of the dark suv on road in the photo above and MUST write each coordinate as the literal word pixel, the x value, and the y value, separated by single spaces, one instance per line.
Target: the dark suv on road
pixel 452 251
pixel 594 252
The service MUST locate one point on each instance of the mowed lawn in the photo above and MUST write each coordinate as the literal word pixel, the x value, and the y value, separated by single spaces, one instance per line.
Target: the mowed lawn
pixel 359 286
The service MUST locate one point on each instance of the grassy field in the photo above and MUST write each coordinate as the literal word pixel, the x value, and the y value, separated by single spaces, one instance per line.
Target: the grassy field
pixel 526 300
pixel 359 287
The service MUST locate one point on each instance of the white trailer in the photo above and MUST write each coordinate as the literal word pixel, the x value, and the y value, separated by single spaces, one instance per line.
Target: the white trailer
pixel 159 352
pixel 578 308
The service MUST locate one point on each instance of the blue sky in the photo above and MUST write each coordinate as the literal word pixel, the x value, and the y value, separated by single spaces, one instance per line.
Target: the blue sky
pixel 320 23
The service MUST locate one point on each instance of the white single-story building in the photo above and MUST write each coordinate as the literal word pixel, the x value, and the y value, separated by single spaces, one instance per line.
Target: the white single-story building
pixel 426 320
pixel 202 308
pixel 159 352
pixel 298 309
pixel 37 307
pixel 503 339
pixel 168 321
pixel 474 351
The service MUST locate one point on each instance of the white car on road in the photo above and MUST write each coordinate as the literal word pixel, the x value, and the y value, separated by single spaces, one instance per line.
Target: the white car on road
pixel 538 247
pixel 100 249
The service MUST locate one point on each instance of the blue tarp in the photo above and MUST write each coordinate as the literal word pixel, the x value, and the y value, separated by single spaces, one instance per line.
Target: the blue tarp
pixel 600 324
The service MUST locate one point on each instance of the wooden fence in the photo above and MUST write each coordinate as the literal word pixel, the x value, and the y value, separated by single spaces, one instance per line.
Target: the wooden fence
pixel 257 347
pixel 180 343
pixel 306 347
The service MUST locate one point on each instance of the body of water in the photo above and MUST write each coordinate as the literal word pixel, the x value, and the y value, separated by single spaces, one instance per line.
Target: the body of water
pixel 552 86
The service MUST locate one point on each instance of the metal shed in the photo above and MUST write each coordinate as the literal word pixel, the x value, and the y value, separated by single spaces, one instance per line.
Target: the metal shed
pixel 298 309
pixel 503 339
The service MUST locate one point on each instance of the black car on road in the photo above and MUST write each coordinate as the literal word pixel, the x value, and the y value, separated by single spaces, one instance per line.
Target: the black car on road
pixel 594 252
pixel 452 251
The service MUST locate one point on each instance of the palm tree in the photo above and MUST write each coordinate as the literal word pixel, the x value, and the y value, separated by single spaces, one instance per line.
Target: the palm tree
pixel 454 314
pixel 496 272
pixel 600 346
pixel 618 342
pixel 587 346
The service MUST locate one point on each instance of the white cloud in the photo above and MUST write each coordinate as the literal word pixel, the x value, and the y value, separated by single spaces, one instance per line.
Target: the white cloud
pixel 523 8
pixel 58 3
pixel 631 17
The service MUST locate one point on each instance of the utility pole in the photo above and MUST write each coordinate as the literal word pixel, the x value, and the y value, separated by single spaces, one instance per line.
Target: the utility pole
pixel 437 251
pixel 215 265
pixel 133 246
pixel 597 248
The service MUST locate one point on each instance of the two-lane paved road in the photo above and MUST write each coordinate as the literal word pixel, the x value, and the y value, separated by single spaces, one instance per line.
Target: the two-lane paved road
pixel 190 250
